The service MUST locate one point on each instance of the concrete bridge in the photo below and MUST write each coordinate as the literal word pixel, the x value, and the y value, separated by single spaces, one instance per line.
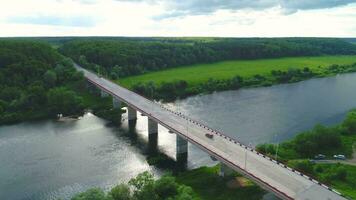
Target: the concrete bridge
pixel 271 175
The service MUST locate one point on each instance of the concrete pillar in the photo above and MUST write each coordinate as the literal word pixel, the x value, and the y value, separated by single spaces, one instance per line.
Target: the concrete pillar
pixel 225 170
pixel 181 150
pixel 116 103
pixel 152 135
pixel 131 113
pixel 91 87
pixel 103 93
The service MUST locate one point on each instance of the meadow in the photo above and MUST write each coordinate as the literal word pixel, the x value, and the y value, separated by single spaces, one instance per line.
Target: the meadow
pixel 200 73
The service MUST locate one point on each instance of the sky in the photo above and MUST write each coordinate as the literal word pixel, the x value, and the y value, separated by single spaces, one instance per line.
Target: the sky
pixel 199 18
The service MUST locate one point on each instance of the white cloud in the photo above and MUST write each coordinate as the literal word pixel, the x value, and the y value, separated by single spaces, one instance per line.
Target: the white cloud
pixel 139 18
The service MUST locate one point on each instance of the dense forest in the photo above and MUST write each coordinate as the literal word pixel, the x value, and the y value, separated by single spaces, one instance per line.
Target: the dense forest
pixel 37 82
pixel 33 82
pixel 124 57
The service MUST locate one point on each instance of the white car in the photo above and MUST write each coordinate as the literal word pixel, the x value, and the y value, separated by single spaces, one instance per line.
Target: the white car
pixel 339 157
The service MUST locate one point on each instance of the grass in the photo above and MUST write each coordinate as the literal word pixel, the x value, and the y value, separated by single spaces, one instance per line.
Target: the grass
pixel 348 186
pixel 196 74
pixel 209 186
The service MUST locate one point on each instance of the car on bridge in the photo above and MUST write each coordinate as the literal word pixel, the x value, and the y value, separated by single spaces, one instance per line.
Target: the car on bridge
pixel 209 135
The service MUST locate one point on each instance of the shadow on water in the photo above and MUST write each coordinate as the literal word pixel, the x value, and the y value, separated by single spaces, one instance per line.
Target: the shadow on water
pixel 148 146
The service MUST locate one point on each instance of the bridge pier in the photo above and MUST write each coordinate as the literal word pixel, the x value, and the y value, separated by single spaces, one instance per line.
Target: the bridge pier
pixel 116 103
pixel 103 93
pixel 225 170
pixel 181 150
pixel 91 87
pixel 152 135
pixel 131 113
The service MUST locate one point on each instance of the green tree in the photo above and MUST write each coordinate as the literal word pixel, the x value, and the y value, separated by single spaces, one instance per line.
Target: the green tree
pixel 91 194
pixel 50 78
pixel 349 123
pixel 121 192
pixel 142 180
pixel 166 187
pixel 64 101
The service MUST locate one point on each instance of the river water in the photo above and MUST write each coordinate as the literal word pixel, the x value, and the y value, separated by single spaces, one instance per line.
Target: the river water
pixel 50 160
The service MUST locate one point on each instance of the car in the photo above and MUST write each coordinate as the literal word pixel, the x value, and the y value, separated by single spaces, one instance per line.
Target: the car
pixel 319 157
pixel 209 135
pixel 339 157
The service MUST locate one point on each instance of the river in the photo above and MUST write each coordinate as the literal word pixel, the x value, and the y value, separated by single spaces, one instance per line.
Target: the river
pixel 50 160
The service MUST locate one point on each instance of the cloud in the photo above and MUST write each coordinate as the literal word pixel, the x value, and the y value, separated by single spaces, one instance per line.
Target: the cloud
pixel 74 21
pixel 179 8
pixel 89 2
pixel 292 6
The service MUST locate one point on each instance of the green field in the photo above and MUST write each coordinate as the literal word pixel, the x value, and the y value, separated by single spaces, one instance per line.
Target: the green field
pixel 199 73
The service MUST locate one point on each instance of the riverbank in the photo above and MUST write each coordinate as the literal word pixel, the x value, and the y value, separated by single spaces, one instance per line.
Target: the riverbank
pixel 300 152
pixel 208 185
pixel 199 184
pixel 186 81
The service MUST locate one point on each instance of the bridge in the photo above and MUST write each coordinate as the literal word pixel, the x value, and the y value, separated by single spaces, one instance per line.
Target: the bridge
pixel 284 182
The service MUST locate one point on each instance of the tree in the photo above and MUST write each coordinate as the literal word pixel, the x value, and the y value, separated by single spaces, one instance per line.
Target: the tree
pixel 142 180
pixel 349 124
pixel 50 78
pixel 185 193
pixel 121 192
pixel 64 101
pixel 91 194
pixel 166 187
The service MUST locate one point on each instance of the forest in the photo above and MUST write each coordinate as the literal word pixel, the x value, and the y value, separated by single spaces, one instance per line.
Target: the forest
pixel 117 58
pixel 33 82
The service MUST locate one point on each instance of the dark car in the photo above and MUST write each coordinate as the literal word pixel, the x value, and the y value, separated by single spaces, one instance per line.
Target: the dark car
pixel 209 135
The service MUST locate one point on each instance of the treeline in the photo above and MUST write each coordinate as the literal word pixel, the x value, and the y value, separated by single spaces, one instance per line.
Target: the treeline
pixel 169 91
pixel 320 140
pixel 33 82
pixel 117 58
pixel 142 187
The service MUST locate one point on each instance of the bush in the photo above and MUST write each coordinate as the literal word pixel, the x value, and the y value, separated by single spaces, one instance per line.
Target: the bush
pixel 304 166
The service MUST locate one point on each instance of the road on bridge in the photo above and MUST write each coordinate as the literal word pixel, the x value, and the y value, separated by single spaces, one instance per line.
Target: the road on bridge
pixel 268 173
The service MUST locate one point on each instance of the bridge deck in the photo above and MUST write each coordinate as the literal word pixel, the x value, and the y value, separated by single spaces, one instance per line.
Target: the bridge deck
pixel 271 175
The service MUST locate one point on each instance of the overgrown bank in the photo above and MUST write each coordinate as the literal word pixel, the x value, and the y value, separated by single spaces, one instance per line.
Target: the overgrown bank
pixel 198 184
pixel 301 151
pixel 156 86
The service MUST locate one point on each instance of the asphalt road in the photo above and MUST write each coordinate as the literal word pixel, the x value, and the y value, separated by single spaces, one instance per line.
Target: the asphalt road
pixel 275 177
